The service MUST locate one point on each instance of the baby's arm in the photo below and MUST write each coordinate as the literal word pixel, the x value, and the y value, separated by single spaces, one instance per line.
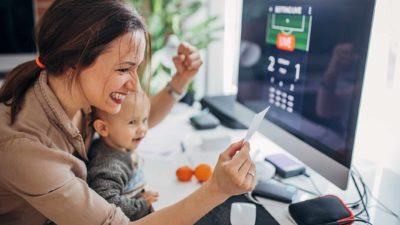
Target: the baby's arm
pixel 150 197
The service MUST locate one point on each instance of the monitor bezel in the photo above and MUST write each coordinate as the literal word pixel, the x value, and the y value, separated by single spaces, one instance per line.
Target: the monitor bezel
pixel 321 163
pixel 328 167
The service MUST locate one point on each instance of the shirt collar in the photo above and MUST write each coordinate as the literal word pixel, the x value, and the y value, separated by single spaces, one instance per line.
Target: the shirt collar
pixel 57 115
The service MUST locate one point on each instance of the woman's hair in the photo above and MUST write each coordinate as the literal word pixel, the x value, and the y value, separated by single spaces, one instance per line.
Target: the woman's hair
pixel 72 34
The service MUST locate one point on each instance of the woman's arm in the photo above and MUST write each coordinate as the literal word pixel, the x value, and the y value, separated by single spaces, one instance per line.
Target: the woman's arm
pixel 47 179
pixel 187 211
pixel 162 103
pixel 231 177
pixel 187 64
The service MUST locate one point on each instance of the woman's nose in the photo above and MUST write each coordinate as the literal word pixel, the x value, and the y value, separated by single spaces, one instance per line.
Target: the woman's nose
pixel 133 84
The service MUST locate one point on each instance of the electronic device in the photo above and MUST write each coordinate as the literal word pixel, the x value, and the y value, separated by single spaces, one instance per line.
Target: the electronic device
pixel 306 58
pixel 223 108
pixel 275 190
pixel 222 213
pixel 16 34
pixel 204 121
pixel 243 213
pixel 327 210
pixel 285 166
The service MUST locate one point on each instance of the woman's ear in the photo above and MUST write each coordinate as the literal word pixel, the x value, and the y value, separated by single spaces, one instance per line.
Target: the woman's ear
pixel 101 127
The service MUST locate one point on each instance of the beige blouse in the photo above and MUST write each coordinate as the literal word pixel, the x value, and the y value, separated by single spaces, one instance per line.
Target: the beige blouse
pixel 42 166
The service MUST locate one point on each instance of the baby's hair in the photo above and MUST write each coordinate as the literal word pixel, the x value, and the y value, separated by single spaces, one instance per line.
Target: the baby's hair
pixel 141 95
pixel 133 97
pixel 98 114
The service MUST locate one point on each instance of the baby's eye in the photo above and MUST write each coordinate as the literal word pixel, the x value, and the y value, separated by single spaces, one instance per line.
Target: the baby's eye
pixel 144 120
pixel 131 122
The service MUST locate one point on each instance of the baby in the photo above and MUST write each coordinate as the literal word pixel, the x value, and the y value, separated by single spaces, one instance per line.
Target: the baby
pixel 114 170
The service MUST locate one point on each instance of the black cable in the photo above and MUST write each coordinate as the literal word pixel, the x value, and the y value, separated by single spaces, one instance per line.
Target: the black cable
pixel 345 222
pixel 355 204
pixel 365 208
pixel 361 196
pixel 355 220
pixel 389 211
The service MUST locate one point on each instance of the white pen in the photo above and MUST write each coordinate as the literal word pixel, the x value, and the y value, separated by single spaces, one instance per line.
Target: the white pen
pixel 183 149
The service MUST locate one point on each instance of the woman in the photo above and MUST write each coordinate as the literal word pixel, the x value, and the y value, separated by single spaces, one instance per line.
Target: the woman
pixel 89 56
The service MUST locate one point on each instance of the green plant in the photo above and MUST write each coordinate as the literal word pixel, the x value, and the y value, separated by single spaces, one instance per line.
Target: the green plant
pixel 166 20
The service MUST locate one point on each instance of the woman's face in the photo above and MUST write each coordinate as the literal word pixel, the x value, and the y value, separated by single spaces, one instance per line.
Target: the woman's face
pixel 113 75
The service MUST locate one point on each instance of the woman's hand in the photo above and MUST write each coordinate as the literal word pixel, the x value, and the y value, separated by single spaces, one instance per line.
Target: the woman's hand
pixel 187 63
pixel 235 172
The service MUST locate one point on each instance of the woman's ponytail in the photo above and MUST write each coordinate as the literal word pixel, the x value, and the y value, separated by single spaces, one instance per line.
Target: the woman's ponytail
pixel 16 83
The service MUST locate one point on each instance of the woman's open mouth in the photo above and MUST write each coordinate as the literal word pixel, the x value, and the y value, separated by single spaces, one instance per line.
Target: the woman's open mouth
pixel 117 97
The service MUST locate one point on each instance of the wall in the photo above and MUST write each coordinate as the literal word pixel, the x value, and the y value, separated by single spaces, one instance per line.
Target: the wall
pixel 41 7
pixel 378 133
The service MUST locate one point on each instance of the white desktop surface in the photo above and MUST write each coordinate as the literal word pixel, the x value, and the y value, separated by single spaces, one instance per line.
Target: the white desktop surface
pixel 162 155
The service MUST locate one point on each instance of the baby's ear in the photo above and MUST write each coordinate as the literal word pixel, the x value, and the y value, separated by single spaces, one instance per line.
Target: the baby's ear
pixel 101 127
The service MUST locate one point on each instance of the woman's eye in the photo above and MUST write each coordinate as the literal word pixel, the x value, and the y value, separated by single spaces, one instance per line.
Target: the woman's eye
pixel 123 70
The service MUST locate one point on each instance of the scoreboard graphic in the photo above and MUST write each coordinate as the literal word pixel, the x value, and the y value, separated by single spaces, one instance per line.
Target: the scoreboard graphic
pixel 289 32
pixel 288 41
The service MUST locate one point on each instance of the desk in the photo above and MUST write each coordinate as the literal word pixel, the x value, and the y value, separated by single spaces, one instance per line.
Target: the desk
pixel 159 168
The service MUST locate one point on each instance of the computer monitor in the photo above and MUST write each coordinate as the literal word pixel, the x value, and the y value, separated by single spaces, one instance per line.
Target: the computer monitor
pixel 16 34
pixel 306 59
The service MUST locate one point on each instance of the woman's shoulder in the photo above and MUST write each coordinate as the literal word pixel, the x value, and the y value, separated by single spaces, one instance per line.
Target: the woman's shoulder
pixel 30 122
pixel 24 161
pixel 38 121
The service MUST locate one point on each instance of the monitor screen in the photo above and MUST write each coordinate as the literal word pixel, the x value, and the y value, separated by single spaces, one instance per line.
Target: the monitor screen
pixel 306 59
pixel 16 34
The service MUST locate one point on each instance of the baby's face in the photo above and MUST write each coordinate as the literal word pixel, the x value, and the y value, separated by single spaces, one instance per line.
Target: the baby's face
pixel 129 126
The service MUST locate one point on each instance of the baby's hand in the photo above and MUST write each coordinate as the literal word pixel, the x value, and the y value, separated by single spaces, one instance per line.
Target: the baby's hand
pixel 150 197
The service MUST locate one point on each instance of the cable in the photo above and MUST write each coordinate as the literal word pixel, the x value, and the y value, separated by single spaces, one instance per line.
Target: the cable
pixel 356 204
pixel 362 199
pixel 355 220
pixel 300 188
pixel 317 193
pixel 251 198
pixel 385 210
pixel 346 222
pixel 313 183
pixel 389 211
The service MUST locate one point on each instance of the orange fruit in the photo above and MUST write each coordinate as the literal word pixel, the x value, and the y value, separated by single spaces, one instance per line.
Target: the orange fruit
pixel 184 173
pixel 203 172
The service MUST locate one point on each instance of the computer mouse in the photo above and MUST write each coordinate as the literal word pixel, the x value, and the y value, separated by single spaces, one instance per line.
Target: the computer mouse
pixel 243 213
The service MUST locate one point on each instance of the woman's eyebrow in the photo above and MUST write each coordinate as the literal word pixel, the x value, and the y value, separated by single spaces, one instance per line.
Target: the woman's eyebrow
pixel 128 62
